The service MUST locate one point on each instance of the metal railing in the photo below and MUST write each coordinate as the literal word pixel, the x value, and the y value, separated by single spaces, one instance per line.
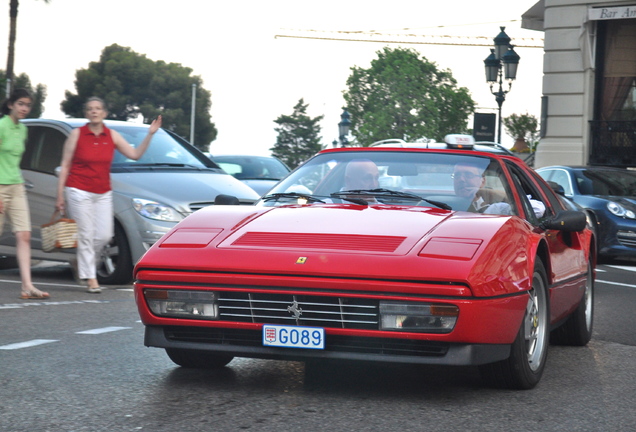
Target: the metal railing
pixel 613 143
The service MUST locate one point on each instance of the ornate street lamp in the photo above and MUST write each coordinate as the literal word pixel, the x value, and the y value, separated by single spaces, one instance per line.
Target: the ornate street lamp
pixel 343 127
pixel 501 64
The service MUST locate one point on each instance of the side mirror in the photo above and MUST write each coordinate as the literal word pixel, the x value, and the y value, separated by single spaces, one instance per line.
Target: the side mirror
pixel 222 199
pixel 557 188
pixel 566 220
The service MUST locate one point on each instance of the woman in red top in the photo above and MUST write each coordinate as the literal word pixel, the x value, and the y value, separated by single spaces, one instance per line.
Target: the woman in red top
pixel 84 180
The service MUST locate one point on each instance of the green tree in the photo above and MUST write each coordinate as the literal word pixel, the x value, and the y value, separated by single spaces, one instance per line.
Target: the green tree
pixel 13 26
pixel 298 136
pixel 23 81
pixel 407 97
pixel 131 84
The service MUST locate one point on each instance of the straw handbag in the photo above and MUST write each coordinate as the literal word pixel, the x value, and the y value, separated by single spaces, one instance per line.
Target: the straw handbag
pixel 60 233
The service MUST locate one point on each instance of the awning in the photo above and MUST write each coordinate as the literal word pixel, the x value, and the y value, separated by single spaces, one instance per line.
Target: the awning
pixel 532 19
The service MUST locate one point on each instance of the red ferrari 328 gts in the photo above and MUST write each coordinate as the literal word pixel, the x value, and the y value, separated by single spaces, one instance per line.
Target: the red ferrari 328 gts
pixel 396 254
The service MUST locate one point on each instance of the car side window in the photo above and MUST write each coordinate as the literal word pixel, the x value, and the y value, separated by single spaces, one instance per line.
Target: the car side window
pixel 531 198
pixel 563 179
pixel 43 151
pixel 555 202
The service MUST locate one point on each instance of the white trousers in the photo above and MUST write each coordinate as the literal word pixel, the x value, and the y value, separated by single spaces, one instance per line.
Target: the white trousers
pixel 93 214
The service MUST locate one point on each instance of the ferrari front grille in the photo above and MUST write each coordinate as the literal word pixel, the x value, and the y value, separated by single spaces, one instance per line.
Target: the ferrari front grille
pixel 317 311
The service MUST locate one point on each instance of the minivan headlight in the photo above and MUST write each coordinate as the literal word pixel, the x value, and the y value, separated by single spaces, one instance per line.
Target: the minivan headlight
pixel 155 210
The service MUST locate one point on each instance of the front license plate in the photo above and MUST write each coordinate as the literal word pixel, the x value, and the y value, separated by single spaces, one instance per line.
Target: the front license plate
pixel 293 336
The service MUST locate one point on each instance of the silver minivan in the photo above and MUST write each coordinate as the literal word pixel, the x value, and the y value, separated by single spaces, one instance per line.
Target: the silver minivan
pixel 150 195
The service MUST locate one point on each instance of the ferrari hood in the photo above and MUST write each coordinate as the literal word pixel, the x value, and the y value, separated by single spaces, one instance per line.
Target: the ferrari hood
pixel 337 228
pixel 384 242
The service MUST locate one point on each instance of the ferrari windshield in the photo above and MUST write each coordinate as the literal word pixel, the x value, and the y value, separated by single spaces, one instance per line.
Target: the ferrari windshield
pixel 444 180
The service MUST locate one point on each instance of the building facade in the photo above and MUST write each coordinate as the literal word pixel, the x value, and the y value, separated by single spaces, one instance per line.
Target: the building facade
pixel 589 84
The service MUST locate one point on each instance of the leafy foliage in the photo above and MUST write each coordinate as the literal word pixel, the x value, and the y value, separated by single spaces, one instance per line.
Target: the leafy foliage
pixel 23 81
pixel 521 126
pixel 298 136
pixel 131 84
pixel 404 96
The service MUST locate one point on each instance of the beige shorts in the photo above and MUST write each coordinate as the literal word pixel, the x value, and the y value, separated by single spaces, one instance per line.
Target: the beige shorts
pixel 15 206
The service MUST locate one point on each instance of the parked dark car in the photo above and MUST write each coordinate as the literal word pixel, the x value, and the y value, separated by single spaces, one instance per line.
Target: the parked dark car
pixel 169 182
pixel 260 173
pixel 609 196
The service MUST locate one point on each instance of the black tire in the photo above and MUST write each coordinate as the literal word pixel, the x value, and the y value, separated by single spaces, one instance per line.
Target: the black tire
pixel 8 262
pixel 577 330
pixel 529 352
pixel 116 266
pixel 196 359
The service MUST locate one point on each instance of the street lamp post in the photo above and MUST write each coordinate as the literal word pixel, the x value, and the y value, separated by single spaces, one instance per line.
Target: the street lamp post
pixel 343 127
pixel 501 64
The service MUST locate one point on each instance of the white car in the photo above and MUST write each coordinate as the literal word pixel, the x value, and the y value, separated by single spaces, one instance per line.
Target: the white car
pixel 170 181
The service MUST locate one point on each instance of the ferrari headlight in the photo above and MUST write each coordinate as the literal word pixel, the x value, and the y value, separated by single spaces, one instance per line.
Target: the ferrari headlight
pixel 620 211
pixel 417 317
pixel 183 304
pixel 156 210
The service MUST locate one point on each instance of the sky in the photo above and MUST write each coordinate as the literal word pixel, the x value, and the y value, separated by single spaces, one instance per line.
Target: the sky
pixel 254 70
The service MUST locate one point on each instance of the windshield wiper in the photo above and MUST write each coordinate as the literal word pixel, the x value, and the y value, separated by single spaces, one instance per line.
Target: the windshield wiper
pixel 292 195
pixel 380 192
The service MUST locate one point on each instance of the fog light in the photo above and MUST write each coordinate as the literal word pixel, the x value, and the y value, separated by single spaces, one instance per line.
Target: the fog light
pixel 183 304
pixel 418 317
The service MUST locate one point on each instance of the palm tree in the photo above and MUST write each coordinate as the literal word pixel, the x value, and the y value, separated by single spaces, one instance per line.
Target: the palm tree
pixel 13 15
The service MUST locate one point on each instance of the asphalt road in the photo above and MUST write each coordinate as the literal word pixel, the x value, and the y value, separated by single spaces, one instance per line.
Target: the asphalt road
pixel 77 363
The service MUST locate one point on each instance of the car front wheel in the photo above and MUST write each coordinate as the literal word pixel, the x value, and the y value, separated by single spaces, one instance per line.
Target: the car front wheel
pixel 116 266
pixel 529 352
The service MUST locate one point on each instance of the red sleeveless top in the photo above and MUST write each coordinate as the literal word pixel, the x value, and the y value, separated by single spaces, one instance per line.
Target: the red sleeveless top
pixel 90 167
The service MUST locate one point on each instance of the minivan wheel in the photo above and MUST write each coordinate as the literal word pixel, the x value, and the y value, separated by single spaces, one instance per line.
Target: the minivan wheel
pixel 116 267
pixel 8 262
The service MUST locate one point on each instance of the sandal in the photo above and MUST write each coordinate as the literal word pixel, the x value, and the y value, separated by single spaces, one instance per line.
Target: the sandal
pixel 94 290
pixel 34 295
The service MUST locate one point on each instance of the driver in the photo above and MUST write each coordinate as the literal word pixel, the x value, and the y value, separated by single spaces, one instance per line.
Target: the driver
pixel 468 181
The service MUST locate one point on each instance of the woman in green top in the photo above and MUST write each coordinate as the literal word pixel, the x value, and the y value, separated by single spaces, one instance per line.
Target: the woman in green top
pixel 13 200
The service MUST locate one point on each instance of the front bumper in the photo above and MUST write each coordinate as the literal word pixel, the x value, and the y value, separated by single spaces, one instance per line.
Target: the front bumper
pixel 248 343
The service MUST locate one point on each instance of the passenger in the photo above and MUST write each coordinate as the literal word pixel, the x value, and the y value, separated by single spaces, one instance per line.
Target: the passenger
pixel 361 174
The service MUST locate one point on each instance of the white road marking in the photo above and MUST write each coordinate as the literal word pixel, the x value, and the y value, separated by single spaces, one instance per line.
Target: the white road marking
pixel 40 283
pixel 40 303
pixel 628 268
pixel 103 330
pixel 27 344
pixel 616 283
